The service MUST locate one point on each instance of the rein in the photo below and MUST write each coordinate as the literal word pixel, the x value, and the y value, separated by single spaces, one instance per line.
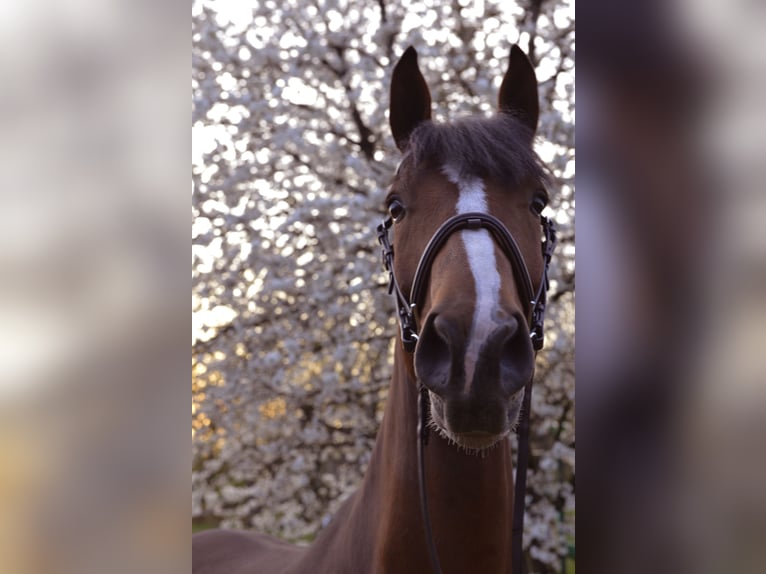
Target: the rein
pixel 409 335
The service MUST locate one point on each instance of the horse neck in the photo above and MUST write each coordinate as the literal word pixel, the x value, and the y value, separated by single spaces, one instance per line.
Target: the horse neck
pixel 470 497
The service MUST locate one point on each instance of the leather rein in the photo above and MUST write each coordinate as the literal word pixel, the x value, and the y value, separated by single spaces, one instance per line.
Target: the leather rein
pixel 405 307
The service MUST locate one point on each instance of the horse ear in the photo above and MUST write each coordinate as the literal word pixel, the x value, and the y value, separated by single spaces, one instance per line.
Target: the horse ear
pixel 410 101
pixel 518 92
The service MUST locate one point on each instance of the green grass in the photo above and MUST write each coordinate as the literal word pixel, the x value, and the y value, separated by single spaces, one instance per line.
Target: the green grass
pixel 569 561
pixel 200 524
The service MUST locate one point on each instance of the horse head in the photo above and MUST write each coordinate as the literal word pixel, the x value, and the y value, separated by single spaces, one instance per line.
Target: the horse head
pixel 465 208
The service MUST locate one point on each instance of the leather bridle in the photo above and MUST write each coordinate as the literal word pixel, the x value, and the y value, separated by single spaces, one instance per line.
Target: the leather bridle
pixel 536 302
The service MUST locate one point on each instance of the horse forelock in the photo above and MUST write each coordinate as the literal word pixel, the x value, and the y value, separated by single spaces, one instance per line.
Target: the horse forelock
pixel 496 148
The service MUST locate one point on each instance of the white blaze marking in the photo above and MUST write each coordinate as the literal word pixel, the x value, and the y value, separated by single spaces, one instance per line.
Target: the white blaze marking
pixel 481 259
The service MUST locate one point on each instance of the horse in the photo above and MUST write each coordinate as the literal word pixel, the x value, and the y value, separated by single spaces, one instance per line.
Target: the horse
pixel 468 273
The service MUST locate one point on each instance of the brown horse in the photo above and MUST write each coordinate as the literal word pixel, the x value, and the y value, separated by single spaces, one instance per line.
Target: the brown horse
pixel 465 208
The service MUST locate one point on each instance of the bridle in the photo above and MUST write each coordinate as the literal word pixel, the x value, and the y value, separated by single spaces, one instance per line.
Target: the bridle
pixel 409 334
pixel 405 307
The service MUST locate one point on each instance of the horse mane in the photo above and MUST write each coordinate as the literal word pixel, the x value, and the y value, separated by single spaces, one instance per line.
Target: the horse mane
pixel 498 148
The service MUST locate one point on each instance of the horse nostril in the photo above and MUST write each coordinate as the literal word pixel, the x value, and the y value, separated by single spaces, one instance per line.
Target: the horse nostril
pixel 517 357
pixel 453 357
pixel 433 359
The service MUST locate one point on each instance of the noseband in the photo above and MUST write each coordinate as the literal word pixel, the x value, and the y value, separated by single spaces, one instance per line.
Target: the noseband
pixel 535 302
pixel 406 306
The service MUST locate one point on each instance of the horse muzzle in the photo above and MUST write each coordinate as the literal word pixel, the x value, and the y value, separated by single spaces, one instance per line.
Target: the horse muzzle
pixel 475 375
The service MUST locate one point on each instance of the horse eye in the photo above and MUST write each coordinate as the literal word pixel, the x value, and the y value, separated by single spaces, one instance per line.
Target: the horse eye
pixel 396 209
pixel 538 204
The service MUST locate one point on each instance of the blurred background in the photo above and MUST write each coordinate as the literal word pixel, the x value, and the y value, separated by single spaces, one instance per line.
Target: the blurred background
pixel 293 327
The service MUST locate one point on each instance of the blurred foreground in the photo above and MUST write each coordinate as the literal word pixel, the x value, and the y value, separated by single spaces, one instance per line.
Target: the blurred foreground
pixel 94 327
pixel 670 311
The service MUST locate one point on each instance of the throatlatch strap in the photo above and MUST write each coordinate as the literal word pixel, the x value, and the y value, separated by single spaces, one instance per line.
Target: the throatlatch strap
pixel 423 403
pixel 522 461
